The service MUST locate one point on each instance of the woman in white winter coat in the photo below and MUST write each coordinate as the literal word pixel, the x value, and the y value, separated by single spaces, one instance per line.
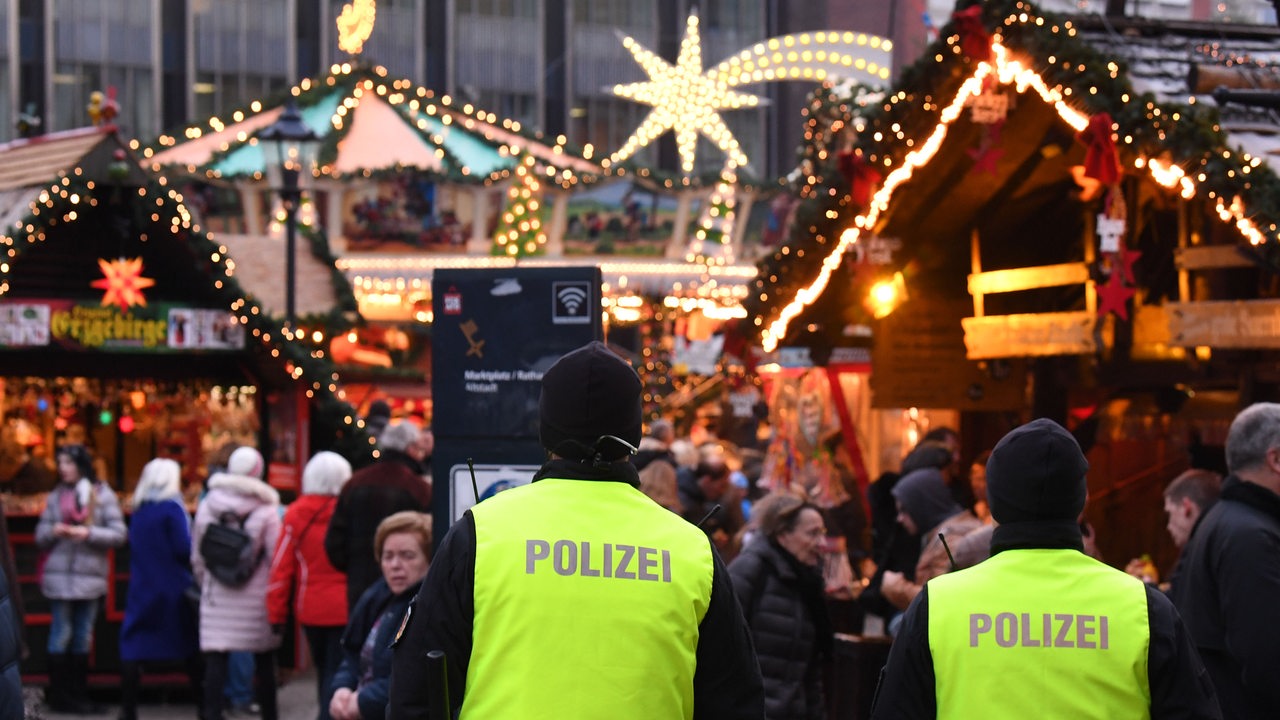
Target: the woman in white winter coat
pixel 235 618
pixel 80 524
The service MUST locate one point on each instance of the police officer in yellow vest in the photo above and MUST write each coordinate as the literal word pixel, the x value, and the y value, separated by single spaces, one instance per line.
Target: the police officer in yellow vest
pixel 1041 630
pixel 577 596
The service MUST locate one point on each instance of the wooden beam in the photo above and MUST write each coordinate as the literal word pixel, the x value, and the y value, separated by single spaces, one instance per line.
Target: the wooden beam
pixel 1209 257
pixel 1204 79
pixel 975 262
pixel 1029 278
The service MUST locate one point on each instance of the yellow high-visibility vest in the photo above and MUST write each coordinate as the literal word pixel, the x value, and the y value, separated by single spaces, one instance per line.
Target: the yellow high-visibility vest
pixel 1040 633
pixel 588 599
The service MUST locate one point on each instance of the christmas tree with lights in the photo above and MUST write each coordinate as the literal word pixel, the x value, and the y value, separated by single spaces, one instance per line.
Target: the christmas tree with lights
pixel 520 232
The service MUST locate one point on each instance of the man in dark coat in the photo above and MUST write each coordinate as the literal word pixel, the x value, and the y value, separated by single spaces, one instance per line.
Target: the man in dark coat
pixel 1228 588
pixel 11 707
pixel 391 484
pixel 706 486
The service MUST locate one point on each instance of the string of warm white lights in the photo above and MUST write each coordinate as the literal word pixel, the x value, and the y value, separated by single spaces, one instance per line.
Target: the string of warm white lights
pixel 1008 71
pixel 716 222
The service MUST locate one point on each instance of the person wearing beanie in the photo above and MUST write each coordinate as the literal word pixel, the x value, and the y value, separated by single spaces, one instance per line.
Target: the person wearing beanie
pixel 1228 586
pixel 926 504
pixel 392 484
pixel 625 610
pixel 234 619
pixel 377 418
pixel 1041 629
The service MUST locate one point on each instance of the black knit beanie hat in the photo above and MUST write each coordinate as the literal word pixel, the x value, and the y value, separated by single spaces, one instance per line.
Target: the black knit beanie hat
pixel 924 496
pixel 1037 472
pixel 587 395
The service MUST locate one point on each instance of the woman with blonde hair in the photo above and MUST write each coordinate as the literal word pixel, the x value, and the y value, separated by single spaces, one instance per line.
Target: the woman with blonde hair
pixel 361 686
pixel 160 623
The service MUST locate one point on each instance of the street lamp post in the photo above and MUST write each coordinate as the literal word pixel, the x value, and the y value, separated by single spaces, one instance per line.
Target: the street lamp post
pixel 290 155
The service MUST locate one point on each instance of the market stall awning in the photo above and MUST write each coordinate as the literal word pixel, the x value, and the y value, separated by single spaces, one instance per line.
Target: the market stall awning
pixel 37 161
pixel 987 142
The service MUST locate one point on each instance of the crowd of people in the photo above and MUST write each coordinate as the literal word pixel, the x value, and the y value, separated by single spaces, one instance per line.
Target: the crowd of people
pixel 638 555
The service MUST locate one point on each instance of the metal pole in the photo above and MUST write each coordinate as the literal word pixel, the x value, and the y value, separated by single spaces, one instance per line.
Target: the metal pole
pixel 290 195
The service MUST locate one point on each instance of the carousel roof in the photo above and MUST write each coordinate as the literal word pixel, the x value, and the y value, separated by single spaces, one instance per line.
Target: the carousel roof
pixel 368 124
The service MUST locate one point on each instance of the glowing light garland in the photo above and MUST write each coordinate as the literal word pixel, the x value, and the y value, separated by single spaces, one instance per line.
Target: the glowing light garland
pixel 60 203
pixel 1008 72
pixel 559 162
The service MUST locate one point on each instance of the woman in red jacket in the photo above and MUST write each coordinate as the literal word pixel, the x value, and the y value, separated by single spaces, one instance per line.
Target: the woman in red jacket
pixel 301 571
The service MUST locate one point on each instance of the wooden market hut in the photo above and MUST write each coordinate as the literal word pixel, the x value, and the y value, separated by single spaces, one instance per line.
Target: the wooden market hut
pixel 1082 236
pixel 129 329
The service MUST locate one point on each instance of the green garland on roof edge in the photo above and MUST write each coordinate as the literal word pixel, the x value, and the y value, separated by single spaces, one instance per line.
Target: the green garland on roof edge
pixel 1195 141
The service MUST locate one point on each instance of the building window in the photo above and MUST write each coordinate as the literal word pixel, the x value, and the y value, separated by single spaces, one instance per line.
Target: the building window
pixel 605 123
pixel 97 46
pixel 241 53
pixel 622 14
pixel 521 107
pixel 7 110
pixel 498 8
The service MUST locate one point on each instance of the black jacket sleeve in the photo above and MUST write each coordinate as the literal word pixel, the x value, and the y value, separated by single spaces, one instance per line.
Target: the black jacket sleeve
pixel 726 683
pixel 440 618
pixel 906 690
pixel 335 536
pixel 1180 685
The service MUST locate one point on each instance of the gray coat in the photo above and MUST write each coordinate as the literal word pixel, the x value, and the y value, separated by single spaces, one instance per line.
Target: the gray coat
pixel 236 618
pixel 79 570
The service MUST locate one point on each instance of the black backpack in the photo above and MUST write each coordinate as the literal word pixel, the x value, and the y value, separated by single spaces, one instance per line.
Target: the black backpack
pixel 228 550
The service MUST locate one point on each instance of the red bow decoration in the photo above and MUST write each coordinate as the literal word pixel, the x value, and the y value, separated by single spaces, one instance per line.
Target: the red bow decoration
pixel 975 41
pixel 1100 159
pixel 862 177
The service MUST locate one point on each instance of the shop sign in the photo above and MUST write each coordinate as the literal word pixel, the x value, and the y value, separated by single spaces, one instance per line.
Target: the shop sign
pixel 1225 324
pixel 1030 335
pixel 918 360
pixel 496 331
pixel 154 328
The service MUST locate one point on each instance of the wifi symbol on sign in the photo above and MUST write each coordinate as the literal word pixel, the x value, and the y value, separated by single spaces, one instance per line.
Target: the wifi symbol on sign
pixel 572 298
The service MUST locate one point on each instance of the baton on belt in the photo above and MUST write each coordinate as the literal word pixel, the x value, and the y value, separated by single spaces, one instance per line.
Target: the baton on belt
pixel 438 699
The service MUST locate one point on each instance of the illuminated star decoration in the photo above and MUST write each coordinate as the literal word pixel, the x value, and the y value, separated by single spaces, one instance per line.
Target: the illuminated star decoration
pixel 684 99
pixel 355 25
pixel 123 282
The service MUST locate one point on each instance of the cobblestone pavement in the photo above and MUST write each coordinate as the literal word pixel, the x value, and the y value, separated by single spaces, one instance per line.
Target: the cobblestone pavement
pixel 296 698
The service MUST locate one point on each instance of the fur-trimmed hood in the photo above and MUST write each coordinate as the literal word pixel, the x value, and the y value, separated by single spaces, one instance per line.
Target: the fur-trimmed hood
pixel 244 485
